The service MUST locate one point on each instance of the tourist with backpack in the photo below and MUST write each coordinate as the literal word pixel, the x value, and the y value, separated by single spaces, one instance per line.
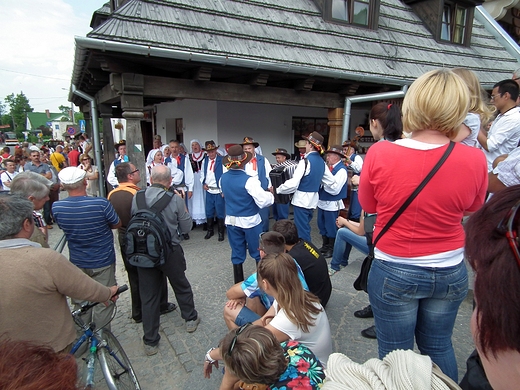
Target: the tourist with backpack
pixel 159 216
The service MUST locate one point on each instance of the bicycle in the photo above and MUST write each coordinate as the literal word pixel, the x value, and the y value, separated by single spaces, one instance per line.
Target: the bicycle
pixel 114 362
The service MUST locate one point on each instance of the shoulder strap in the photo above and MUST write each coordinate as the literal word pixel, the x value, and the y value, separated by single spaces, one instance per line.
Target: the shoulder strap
pixel 140 200
pixel 416 192
pixel 161 203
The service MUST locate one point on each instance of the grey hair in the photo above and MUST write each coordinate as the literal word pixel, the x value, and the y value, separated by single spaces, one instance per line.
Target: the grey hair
pixel 161 174
pixel 28 184
pixel 15 209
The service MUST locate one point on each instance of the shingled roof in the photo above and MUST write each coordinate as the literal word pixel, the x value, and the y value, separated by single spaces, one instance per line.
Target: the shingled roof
pixel 293 33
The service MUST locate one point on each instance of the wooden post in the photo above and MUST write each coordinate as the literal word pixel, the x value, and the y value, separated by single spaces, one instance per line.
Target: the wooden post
pixel 132 105
pixel 105 113
pixel 335 123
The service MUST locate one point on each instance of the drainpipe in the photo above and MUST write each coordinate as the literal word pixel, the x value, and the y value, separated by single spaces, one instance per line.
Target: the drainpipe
pixel 366 98
pixel 95 135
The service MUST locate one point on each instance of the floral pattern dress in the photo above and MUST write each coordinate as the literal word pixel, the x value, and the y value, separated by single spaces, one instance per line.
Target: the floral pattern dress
pixel 304 371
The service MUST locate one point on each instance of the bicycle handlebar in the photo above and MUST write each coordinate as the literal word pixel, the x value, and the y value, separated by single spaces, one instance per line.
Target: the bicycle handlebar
pixel 88 306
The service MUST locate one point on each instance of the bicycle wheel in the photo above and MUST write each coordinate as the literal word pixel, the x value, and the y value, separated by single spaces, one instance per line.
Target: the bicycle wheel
pixel 115 365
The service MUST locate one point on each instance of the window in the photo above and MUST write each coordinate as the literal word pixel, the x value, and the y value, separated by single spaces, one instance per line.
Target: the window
pixel 357 12
pixel 454 22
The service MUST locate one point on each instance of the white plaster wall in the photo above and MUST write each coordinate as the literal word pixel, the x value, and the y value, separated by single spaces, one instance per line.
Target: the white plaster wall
pixel 229 122
pixel 199 120
pixel 270 125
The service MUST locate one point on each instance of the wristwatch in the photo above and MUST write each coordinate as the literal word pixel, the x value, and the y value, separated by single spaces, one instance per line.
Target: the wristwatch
pixel 208 356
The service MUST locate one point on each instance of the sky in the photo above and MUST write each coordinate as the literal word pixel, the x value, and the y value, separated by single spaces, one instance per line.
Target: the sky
pixel 37 48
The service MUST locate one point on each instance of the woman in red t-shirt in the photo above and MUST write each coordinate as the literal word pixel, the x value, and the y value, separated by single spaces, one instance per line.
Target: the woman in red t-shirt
pixel 418 278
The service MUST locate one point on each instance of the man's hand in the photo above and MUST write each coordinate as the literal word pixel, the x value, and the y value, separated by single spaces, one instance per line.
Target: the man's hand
pixel 190 194
pixel 206 187
pixel 113 292
pixel 233 303
pixel 355 180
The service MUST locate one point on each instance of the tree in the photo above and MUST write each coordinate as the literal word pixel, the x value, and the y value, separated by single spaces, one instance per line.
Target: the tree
pixel 65 110
pixel 18 108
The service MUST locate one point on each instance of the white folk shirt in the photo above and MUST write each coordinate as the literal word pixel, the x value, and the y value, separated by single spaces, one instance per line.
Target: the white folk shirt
pixel 340 178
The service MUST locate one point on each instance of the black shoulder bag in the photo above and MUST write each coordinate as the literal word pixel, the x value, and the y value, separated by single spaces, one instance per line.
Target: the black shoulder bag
pixel 361 282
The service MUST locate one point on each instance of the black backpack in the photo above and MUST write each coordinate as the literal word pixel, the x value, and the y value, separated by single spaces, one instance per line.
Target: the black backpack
pixel 148 239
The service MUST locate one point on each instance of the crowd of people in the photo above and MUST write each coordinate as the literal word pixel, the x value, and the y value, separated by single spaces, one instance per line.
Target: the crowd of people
pixel 440 160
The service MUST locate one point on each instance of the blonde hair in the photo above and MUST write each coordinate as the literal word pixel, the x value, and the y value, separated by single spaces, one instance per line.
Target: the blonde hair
pixel 438 100
pixel 478 101
pixel 299 305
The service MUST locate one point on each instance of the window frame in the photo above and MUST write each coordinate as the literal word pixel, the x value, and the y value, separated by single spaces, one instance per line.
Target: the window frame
pixel 372 17
pixel 455 25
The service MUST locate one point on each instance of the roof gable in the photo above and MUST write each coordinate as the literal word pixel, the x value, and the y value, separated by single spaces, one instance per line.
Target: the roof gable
pixel 293 32
pixel 38 119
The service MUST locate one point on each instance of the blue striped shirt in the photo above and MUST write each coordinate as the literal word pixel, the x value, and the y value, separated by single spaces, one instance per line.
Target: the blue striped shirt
pixel 86 223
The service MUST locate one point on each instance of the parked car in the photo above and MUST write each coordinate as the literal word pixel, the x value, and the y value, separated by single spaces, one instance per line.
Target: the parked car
pixel 11 139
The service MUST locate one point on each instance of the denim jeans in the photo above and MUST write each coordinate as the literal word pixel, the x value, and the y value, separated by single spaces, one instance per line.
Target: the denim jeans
pixel 421 302
pixel 345 240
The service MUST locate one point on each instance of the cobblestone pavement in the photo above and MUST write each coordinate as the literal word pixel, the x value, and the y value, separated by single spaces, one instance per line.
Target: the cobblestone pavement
pixel 178 365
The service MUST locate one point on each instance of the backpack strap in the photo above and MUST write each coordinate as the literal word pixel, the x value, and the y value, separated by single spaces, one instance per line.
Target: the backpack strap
pixel 161 203
pixel 158 206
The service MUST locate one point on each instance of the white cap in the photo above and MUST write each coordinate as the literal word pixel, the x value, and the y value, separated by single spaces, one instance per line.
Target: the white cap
pixel 34 148
pixel 71 175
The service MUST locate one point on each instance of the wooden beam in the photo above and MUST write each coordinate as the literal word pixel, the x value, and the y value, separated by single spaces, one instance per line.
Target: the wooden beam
pixel 203 73
pixel 304 85
pixel 259 80
pixel 169 88
pixel 111 92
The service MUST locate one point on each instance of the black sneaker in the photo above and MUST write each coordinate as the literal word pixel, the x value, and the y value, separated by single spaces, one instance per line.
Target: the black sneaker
pixel 169 308
pixel 366 312
pixel 369 333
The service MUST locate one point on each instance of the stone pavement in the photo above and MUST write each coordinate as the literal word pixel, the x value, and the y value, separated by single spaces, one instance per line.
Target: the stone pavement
pixel 178 365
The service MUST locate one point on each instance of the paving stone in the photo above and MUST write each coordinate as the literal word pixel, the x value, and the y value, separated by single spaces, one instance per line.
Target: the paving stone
pixel 179 363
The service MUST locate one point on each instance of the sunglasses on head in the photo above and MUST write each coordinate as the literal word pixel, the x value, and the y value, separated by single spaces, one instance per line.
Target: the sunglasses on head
pixel 508 226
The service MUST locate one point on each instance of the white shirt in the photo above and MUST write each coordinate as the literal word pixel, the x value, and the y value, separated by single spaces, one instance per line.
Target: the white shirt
pixel 503 135
pixel 188 173
pixel 262 199
pixel 308 200
pixel 210 178
pixel 318 339
pixel 507 171
pixel 111 177
pixel 7 177
pixel 340 178
pixel 251 172
pixel 357 164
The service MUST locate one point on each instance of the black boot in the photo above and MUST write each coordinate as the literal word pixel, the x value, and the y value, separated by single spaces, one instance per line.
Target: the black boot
pixel 330 248
pixel 205 226
pixel 325 244
pixel 210 232
pixel 220 226
pixel 238 273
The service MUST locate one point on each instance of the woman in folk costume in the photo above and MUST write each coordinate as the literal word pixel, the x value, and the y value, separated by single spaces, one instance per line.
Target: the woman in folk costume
pixel 157 159
pixel 197 201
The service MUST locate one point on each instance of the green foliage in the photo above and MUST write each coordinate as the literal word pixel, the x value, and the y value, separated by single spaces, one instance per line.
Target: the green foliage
pixel 18 107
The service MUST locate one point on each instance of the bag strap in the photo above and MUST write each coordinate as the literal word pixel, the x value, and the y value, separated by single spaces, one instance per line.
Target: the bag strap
pixel 159 204
pixel 416 192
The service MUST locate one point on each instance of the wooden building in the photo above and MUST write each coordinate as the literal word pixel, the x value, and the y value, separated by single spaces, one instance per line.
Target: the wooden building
pixel 271 69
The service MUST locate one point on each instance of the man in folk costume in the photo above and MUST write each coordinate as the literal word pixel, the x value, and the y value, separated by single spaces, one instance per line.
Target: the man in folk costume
pixel 196 202
pixel 180 161
pixel 244 198
pixel 121 149
pixel 310 173
pixel 331 200
pixel 211 172
pixel 281 210
pixel 260 167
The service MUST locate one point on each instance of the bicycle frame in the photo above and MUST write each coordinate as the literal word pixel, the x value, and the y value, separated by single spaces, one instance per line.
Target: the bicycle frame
pixel 96 341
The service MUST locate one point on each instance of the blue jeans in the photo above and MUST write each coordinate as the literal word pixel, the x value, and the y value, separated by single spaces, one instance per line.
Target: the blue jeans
pixel 345 240
pixel 421 302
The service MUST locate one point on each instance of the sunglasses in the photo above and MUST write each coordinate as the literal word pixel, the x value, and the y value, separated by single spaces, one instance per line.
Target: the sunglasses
pixel 234 341
pixel 508 226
